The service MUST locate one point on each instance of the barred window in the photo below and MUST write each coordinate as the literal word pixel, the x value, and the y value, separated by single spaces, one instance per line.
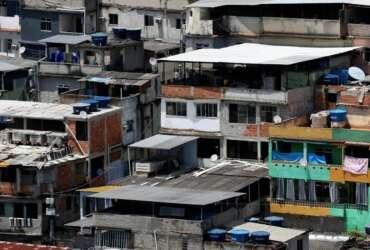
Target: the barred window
pixel 242 113
pixel 268 113
pixel 207 110
pixel 176 108
pixel 45 24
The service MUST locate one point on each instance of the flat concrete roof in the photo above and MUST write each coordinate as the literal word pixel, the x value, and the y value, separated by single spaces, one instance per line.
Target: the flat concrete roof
pixel 164 142
pixel 167 195
pixel 258 54
pixel 281 234
pixel 66 39
pixel 41 110
pixel 219 3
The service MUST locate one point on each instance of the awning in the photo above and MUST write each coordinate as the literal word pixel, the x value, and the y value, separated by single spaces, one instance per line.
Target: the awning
pixel 167 195
pixel 66 39
pixel 164 142
pixel 108 80
pixel 257 54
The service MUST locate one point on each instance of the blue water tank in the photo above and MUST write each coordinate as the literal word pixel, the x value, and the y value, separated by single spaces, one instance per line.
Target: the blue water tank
pixel 338 115
pixel 260 237
pixel 103 101
pixel 93 104
pixel 274 220
pixel 99 39
pixel 80 107
pixel 330 79
pixel 252 219
pixel 342 75
pixel 133 34
pixel 120 32
pixel 239 235
pixel 217 234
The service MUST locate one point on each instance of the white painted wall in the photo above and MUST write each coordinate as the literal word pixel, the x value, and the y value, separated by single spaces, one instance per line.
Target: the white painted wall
pixel 191 121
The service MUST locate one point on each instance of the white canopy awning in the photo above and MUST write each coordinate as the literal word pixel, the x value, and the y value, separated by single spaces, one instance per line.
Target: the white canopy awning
pixel 165 142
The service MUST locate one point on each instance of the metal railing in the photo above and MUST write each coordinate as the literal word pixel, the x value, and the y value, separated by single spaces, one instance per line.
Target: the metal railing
pixel 321 204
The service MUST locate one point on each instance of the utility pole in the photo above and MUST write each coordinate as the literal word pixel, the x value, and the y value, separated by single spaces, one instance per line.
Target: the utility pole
pixel 50 212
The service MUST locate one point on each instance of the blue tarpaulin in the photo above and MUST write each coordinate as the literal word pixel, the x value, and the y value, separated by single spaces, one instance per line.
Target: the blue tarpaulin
pixel 297 157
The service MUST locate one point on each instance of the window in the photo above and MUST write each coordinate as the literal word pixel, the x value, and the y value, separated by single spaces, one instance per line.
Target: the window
pixel 268 113
pixel 300 244
pixel 69 203
pixel 129 126
pixel 178 23
pixel 113 19
pixel 9 44
pixel 242 113
pixel 201 45
pixel 81 131
pixel 2 209
pixel 332 97
pixel 241 149
pixel 45 24
pixel 176 108
pixel 207 110
pixel 31 210
pixel 148 20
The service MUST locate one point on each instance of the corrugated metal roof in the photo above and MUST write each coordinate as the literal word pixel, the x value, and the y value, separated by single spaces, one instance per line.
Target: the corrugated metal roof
pixel 66 39
pixel 6 67
pixel 281 234
pixel 258 54
pixel 167 195
pixel 219 3
pixel 165 142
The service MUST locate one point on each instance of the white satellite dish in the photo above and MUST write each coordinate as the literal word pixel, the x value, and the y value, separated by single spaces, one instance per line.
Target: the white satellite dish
pixel 277 119
pixel 153 61
pixel 214 158
pixel 356 73
pixel 22 50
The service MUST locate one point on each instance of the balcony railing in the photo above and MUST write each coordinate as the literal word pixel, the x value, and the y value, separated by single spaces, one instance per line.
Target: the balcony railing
pixel 321 204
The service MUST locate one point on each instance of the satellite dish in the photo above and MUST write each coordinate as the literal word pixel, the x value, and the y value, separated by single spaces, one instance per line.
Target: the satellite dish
pixel 214 158
pixel 153 61
pixel 22 50
pixel 356 73
pixel 277 119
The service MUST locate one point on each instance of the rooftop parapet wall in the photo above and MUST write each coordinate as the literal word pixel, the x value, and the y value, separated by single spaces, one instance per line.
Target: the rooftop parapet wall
pixel 54 4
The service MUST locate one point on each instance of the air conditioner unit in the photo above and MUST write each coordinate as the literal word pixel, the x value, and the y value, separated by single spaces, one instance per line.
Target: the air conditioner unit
pixel 11 222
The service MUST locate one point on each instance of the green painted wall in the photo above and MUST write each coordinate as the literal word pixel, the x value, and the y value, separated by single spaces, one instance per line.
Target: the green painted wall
pixel 335 151
pixel 297 171
pixel 342 134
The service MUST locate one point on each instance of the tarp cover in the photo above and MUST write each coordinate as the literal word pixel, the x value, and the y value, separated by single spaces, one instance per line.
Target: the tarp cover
pixel 297 157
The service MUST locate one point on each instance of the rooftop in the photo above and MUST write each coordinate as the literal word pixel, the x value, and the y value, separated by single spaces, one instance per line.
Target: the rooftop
pixel 23 246
pixel 281 234
pixel 8 64
pixel 258 54
pixel 159 46
pixel 67 39
pixel 121 78
pixel 167 195
pixel 227 176
pixel 112 43
pixel 40 110
pixel 164 142
pixel 219 3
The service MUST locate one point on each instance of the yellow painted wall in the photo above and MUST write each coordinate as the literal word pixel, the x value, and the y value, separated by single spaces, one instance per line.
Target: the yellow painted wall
pixel 301 133
pixel 299 210
pixel 339 175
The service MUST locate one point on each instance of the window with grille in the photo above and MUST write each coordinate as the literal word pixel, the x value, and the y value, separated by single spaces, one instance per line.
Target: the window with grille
pixel 45 24
pixel 148 20
pixel 176 108
pixel 268 113
pixel 113 19
pixel 242 113
pixel 207 110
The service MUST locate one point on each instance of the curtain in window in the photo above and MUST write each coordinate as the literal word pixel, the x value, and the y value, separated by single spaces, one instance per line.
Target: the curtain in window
pixel 290 192
pixel 280 195
pixel 302 190
pixel 361 193
pixel 312 191
pixel 333 191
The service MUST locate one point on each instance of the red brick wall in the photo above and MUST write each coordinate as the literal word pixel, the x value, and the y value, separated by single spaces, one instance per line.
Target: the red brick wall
pixel 251 130
pixel 114 130
pixel 180 91
pixel 72 143
pixel 97 135
pixel 64 177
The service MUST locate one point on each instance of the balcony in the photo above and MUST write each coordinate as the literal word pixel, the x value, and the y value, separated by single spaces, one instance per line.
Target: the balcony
pixel 53 68
pixel 357 29
pixel 300 26
pixel 201 28
pixel 21 226
pixel 9 24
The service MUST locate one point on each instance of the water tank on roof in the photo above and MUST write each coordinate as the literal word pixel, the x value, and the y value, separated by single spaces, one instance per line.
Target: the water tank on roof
pixel 260 237
pixel 274 220
pixel 120 32
pixel 103 101
pixel 239 235
pixel 217 234
pixel 99 39
pixel 81 107
pixel 252 219
pixel 133 34
pixel 93 104
pixel 338 115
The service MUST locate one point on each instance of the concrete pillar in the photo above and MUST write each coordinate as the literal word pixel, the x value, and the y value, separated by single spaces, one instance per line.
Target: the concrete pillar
pixel 270 152
pixel 223 148
pixel 305 154
pixel 18 179
pixel 82 205
pixel 258 122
